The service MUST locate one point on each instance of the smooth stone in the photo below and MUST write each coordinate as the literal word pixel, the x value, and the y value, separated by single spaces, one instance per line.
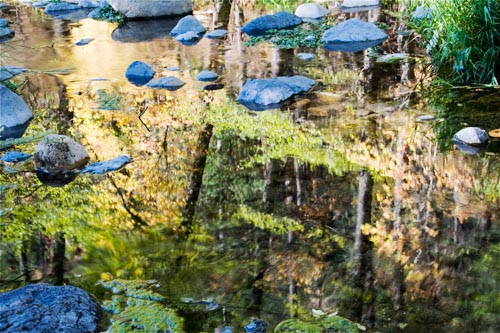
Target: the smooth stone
pixel 89 3
pixel 279 20
pixel 353 35
pixel 170 83
pixel 15 156
pixel 14 112
pixel 151 8
pixel 214 34
pixel 43 308
pixel 84 41
pixel 392 57
pixel 188 24
pixel 206 76
pixel 61 6
pixel 263 94
pixel 139 73
pixel 114 164
pixel 213 86
pixel 311 11
pixel 468 149
pixel 472 136
pixel 305 56
pixel 173 68
pixel 187 37
pixel 59 154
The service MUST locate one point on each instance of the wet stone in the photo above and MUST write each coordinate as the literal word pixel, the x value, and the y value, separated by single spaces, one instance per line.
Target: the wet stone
pixel 206 76
pixel 352 36
pixel 170 83
pixel 139 73
pixel 280 20
pixel 214 34
pixel 213 86
pixel 14 112
pixel 61 6
pixel 188 24
pixel 310 11
pixel 472 136
pixel 114 164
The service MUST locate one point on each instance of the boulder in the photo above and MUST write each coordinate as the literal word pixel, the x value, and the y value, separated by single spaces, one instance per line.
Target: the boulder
pixel 206 76
pixel 151 8
pixel 263 94
pixel 188 24
pixel 279 20
pixel 311 11
pixel 59 154
pixel 472 136
pixel 14 113
pixel 43 308
pixel 139 73
pixel 170 83
pixel 352 35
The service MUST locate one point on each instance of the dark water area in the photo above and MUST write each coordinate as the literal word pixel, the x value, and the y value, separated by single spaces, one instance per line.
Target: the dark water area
pixel 342 199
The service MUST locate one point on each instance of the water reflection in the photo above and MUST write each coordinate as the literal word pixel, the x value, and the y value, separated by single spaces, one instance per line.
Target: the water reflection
pixel 372 219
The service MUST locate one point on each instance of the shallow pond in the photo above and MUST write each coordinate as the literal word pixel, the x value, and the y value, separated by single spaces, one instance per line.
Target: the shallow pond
pixel 343 200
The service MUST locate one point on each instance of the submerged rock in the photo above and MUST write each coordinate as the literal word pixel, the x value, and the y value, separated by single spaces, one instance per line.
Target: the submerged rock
pixel 472 136
pixel 188 24
pixel 352 36
pixel 280 20
pixel 15 156
pixel 114 164
pixel 206 76
pixel 139 73
pixel 59 154
pixel 43 308
pixel 310 11
pixel 188 38
pixel 263 94
pixel 213 86
pixel 151 8
pixel 14 114
pixel 170 83
pixel 61 6
pixel 214 34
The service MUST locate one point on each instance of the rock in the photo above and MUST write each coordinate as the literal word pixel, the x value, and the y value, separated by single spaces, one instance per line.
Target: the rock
pixel 9 72
pixel 59 154
pixel 3 23
pixel 305 56
pixel 42 308
pixel 173 68
pixel 188 38
pixel 6 33
pixel 84 41
pixel 263 94
pixel 14 157
pixel 206 76
pixel 89 3
pixel 114 164
pixel 14 113
pixel 188 24
pixel 280 20
pixel 311 11
pixel 144 30
pixel 472 136
pixel 214 34
pixel 170 83
pixel 256 326
pixel 359 3
pixel 61 6
pixel 352 35
pixel 151 8
pixel 139 73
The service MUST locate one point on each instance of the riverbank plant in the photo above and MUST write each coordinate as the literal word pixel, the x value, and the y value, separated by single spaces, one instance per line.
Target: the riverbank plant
pixel 107 13
pixel 462 39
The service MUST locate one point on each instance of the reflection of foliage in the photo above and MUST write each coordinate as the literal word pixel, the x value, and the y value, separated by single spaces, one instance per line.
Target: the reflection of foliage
pixel 268 222
pixel 288 5
pixel 135 307
pixel 304 35
pixel 108 100
pixel 323 323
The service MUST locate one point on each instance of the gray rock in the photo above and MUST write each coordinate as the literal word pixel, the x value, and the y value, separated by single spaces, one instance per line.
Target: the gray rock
pixel 61 6
pixel 263 94
pixel 170 83
pixel 114 164
pixel 214 34
pixel 89 3
pixel 173 68
pixel 206 76
pixel 59 154
pixel 305 56
pixel 42 308
pixel 360 3
pixel 352 35
pixel 472 136
pixel 189 36
pixel 279 20
pixel 139 73
pixel 188 24
pixel 6 33
pixel 311 11
pixel 151 8
pixel 9 72
pixel 13 111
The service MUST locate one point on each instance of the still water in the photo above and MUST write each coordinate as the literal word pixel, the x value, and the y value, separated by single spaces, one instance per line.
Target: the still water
pixel 342 200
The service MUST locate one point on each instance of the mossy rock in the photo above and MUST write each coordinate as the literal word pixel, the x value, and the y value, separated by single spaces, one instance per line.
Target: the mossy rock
pixel 297 326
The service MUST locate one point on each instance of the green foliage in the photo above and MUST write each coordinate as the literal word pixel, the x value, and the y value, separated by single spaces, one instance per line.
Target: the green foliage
pixel 322 323
pixel 276 225
pixel 108 100
pixel 11 85
pixel 135 307
pixel 463 39
pixel 304 35
pixel 107 13
pixel 279 4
